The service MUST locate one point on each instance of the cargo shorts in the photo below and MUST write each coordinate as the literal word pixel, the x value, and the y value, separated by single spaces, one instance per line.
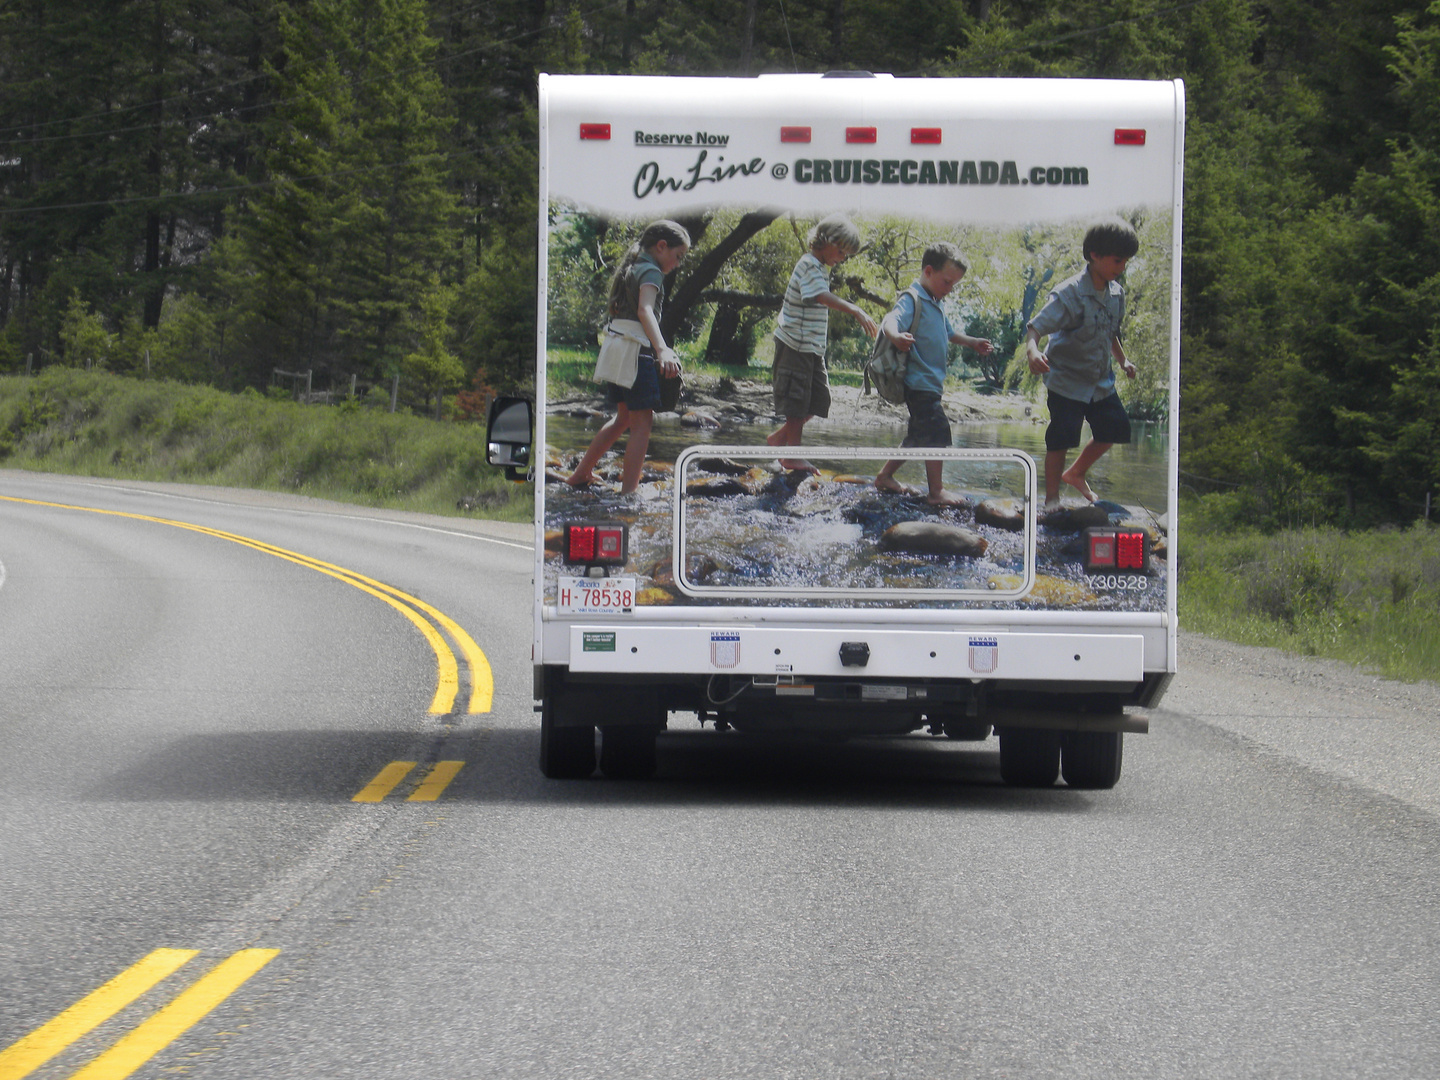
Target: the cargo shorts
pixel 802 386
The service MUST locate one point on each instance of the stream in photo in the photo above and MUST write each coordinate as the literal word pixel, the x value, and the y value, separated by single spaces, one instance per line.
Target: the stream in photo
pixel 754 533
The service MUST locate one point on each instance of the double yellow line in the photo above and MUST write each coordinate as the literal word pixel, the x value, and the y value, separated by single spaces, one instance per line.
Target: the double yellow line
pixel 421 614
pixel 430 788
pixel 152 1035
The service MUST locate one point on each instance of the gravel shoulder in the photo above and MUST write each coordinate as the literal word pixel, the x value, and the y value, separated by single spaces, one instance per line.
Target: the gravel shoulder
pixel 1327 715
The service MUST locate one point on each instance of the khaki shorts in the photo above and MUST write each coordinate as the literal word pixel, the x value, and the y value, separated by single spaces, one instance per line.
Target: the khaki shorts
pixel 802 388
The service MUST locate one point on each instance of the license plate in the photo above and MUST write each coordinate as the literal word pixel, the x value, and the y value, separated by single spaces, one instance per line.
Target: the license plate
pixel 595 596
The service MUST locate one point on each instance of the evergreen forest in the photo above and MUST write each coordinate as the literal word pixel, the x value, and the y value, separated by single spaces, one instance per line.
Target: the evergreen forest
pixel 216 191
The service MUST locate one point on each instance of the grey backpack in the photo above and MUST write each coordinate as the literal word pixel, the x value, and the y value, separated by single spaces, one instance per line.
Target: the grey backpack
pixel 886 367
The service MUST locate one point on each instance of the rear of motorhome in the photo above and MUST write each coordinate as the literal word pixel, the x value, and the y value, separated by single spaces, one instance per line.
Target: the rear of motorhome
pixel 762 589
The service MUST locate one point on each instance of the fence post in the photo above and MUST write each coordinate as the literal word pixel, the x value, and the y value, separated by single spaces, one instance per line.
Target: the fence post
pixel 147 362
pixel 29 362
pixel 309 372
pixel 352 386
pixel 394 390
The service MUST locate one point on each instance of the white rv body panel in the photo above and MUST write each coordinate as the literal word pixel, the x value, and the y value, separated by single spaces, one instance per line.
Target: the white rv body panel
pixel 767 586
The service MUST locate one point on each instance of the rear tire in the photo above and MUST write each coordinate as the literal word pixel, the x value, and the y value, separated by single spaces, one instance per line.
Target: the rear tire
pixel 1092 759
pixel 566 753
pixel 627 752
pixel 1029 757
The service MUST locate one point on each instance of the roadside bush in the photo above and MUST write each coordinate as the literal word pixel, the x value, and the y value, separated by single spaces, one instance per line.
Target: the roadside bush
pixel 1295 580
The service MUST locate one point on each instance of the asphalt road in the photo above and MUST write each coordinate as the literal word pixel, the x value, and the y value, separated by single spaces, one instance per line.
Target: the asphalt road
pixel 186 720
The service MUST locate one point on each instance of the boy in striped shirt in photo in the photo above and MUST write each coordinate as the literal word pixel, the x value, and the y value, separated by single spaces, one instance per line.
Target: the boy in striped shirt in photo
pixel 802 387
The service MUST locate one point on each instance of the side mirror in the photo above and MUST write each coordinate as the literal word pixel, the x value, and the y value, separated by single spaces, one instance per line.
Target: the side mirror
pixel 508 435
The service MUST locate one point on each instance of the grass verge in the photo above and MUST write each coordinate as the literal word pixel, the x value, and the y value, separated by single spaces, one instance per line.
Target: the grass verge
pixel 1370 598
pixel 96 424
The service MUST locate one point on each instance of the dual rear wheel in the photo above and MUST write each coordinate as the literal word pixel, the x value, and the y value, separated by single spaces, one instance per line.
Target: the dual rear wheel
pixel 1036 758
pixel 567 750
pixel 1029 757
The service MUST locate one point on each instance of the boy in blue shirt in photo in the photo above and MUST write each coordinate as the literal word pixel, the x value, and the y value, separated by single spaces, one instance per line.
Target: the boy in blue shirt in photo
pixel 1082 320
pixel 941 269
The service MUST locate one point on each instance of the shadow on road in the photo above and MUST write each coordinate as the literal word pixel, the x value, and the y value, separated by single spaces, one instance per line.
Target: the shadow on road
pixel 696 768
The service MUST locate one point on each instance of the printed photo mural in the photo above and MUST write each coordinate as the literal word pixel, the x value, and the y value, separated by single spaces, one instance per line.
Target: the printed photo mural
pixel 706 386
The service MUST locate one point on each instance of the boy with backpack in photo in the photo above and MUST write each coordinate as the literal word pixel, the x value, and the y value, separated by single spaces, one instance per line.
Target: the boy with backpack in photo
pixel 927 349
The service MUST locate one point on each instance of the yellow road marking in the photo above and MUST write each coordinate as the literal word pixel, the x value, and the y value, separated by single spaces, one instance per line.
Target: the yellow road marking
pixel 436 781
pixel 482 681
pixel 385 781
pixel 30 1052
pixel 188 1008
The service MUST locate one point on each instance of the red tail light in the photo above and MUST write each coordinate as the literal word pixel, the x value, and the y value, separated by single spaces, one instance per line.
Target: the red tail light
pixel 596 545
pixel 1116 549
pixel 1130 550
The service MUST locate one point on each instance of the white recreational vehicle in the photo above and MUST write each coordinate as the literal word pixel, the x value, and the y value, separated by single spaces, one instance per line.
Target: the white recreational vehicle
pixel 764 597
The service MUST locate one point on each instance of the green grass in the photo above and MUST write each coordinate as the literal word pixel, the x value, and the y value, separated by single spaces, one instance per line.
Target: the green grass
pixel 1370 598
pixel 96 424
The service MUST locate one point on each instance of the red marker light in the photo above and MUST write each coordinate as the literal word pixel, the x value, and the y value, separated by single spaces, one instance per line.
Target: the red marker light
pixel 927 136
pixel 860 135
pixel 1129 136
pixel 595 131
pixel 795 134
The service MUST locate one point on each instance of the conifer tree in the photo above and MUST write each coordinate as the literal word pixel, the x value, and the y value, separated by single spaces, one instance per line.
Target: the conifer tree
pixel 336 247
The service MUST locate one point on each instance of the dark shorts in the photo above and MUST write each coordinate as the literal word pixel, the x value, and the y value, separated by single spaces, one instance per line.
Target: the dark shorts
pixel 802 387
pixel 1107 418
pixel 645 394
pixel 929 426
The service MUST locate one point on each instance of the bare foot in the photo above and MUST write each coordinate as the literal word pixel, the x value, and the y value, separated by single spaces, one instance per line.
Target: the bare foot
pixel 891 486
pixel 944 498
pixel 1079 484
pixel 578 481
pixel 797 465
